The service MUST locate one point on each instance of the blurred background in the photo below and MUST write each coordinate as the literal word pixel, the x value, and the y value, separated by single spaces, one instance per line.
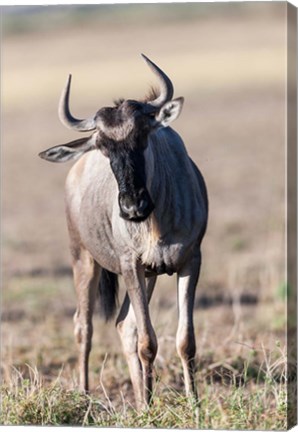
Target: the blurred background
pixel 229 62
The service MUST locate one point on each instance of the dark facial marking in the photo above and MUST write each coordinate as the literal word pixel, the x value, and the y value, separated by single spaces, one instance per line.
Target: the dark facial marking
pixel 126 154
pixel 134 200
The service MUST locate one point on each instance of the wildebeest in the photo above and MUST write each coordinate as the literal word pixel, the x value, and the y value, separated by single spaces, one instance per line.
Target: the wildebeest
pixel 136 206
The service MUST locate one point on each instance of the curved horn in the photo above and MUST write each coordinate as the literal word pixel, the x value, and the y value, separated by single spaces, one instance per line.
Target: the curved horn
pixel 166 86
pixel 65 116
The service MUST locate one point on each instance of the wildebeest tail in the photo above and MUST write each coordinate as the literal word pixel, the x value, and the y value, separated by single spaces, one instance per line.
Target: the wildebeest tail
pixel 108 294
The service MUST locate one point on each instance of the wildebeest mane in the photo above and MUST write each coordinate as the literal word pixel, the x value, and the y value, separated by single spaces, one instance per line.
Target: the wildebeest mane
pixel 152 94
pixel 118 102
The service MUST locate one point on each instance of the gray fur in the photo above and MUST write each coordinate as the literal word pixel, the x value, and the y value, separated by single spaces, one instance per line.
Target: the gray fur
pixel 166 239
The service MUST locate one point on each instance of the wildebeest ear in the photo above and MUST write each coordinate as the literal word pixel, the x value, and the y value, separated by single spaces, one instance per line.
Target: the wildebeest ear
pixel 170 111
pixel 72 150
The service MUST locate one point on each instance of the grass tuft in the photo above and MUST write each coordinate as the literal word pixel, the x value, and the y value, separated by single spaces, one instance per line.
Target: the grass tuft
pixel 30 402
pixel 237 405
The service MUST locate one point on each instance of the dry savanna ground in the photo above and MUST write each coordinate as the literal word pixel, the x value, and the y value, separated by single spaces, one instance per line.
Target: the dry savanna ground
pixel 230 66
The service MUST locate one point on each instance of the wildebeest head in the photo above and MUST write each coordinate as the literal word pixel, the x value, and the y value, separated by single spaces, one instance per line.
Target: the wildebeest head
pixel 121 134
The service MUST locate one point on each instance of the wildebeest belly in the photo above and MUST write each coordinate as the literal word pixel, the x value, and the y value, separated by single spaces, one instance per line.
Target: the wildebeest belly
pixel 159 258
pixel 110 240
pixel 165 258
pixel 158 270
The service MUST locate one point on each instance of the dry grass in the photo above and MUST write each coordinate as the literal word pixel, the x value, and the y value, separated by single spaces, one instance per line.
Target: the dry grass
pixel 228 399
pixel 232 72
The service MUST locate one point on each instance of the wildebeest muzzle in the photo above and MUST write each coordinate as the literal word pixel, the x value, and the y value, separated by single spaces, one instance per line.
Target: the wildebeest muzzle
pixel 135 208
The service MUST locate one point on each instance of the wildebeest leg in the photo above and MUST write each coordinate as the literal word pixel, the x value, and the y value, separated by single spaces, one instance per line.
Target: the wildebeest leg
pixel 127 328
pixel 185 338
pixel 86 278
pixel 126 325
